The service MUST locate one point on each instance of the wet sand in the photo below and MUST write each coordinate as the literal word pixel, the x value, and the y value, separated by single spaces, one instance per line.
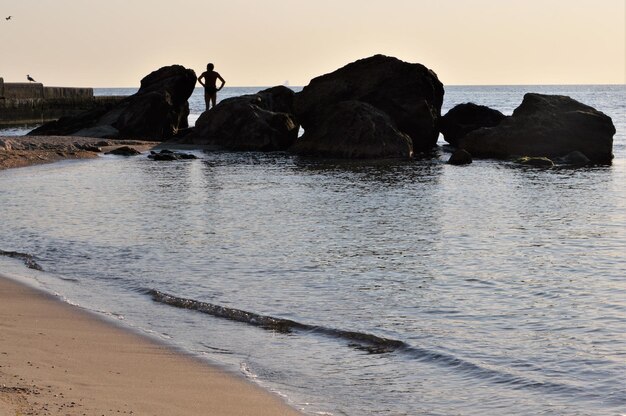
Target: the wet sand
pixel 57 359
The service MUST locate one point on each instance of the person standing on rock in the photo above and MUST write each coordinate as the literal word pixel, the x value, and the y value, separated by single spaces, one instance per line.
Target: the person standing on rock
pixel 208 80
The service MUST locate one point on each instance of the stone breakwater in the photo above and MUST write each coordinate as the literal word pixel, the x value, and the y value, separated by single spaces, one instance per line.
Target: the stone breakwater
pixel 34 103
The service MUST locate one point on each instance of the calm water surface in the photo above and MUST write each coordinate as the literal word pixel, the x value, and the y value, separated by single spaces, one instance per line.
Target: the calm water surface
pixel 491 289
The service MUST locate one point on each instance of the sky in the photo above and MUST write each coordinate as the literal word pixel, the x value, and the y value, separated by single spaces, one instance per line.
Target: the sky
pixel 115 43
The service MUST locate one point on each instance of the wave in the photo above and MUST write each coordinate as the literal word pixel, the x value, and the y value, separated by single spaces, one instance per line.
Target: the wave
pixel 28 259
pixel 369 343
pixel 366 342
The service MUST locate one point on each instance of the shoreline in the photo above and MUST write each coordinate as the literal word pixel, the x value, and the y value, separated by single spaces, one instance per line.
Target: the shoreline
pixel 23 151
pixel 58 359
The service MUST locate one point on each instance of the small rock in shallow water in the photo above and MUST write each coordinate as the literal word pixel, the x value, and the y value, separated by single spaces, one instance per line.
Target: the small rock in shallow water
pixel 165 155
pixel 124 151
pixel 542 162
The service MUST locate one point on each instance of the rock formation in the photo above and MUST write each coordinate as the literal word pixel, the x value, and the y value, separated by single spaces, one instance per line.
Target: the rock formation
pixel 258 122
pixel 354 130
pixel 410 94
pixel 155 112
pixel 546 125
pixel 467 117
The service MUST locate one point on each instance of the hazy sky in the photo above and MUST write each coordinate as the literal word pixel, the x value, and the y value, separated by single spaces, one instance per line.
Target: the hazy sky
pixel 103 43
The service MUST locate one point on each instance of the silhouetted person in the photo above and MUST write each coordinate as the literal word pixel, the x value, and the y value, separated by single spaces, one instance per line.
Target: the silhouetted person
pixel 28 77
pixel 210 78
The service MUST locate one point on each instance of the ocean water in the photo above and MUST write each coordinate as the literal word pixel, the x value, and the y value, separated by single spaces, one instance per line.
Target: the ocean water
pixel 406 288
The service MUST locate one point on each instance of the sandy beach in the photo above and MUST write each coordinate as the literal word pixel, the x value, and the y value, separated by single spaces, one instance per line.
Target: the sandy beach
pixel 56 359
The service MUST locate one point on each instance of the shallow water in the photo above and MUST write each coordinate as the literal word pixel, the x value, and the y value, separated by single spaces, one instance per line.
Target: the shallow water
pixel 500 289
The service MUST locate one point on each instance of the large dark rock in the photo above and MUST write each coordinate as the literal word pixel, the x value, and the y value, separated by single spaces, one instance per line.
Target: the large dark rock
pixel 155 112
pixel 354 130
pixel 258 122
pixel 546 125
pixel 467 117
pixel 410 94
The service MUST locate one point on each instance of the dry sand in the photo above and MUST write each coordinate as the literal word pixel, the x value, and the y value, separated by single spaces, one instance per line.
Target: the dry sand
pixel 57 359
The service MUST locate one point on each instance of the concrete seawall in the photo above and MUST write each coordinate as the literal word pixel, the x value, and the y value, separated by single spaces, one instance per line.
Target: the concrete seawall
pixel 34 103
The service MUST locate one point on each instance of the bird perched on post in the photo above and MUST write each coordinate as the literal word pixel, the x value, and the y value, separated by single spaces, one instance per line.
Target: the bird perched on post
pixel 28 77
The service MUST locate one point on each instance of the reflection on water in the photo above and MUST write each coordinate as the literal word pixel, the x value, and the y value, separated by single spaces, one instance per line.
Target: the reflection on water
pixel 505 283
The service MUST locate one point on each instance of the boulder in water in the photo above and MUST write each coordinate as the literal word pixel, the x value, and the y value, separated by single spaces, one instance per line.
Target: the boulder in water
pixel 410 94
pixel 155 112
pixel 465 118
pixel 546 125
pixel 354 130
pixel 258 122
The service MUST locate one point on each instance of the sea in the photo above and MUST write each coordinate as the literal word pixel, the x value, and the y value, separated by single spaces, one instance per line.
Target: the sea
pixel 352 288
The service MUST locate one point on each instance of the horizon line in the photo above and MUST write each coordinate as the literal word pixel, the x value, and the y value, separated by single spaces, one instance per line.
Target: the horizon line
pixel 445 85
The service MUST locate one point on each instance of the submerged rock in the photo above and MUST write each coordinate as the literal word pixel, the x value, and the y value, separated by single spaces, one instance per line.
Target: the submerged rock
pixel 354 130
pixel 258 122
pixel 155 112
pixel 574 159
pixel 410 94
pixel 546 125
pixel 465 118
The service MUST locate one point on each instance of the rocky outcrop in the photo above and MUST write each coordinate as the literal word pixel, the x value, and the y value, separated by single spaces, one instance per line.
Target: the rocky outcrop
pixel 155 112
pixel 410 94
pixel 258 122
pixel 465 118
pixel 354 130
pixel 76 125
pixel 546 125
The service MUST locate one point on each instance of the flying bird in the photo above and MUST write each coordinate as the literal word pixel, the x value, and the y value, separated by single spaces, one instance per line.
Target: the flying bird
pixel 28 77
pixel 8 18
